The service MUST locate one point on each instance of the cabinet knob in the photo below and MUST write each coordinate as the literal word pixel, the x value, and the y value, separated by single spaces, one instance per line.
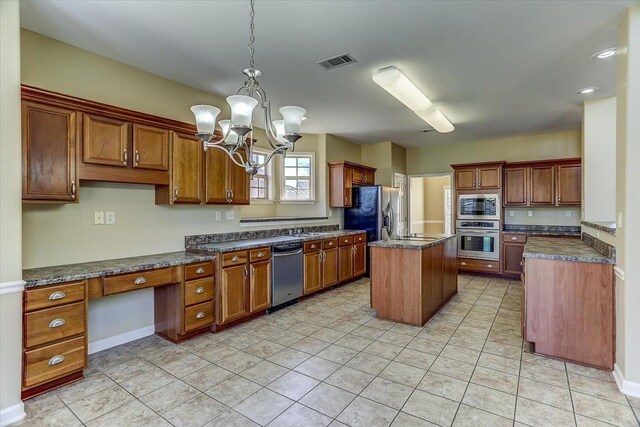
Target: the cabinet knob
pixel 57 295
pixel 234 259
pixel 261 254
pixel 124 156
pixel 55 360
pixel 137 158
pixel 490 265
pixel 200 315
pixel 140 281
pixel 200 290
pixel 514 238
pixel 56 323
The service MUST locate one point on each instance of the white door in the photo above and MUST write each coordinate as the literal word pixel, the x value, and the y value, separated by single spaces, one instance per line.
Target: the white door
pixel 400 182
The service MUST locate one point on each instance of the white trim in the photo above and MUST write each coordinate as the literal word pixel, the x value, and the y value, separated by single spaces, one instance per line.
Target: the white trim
pixel 429 221
pixel 12 287
pixel 12 414
pixel 619 272
pixel 297 202
pixel 119 339
pixel 627 387
pixel 312 179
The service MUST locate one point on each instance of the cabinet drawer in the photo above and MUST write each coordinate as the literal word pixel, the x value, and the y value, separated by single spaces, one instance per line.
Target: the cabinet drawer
pixel 344 241
pixel 54 324
pixel 140 280
pixel 260 254
pixel 360 238
pixel 53 361
pixel 234 258
pixel 314 246
pixel 197 291
pixel 330 243
pixel 199 270
pixel 198 316
pixel 479 265
pixel 519 238
pixel 51 296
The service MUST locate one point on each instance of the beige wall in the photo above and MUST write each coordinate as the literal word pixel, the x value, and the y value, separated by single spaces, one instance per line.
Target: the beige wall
pixel 339 149
pixel 546 216
pixel 388 158
pixel 11 408
pixel 437 158
pixel 599 161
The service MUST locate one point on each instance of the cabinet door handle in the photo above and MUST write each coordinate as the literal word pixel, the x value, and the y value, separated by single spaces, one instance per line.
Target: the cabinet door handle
pixel 73 189
pixel 463 263
pixel 56 323
pixel 200 270
pixel 175 193
pixel 514 238
pixel 124 156
pixel 345 200
pixel 490 265
pixel 200 315
pixel 244 272
pixel 353 249
pixel 137 157
pixel 520 262
pixel 55 360
pixel 253 271
pixel 234 259
pixel 57 295
pixel 140 281
pixel 200 290
pixel 260 254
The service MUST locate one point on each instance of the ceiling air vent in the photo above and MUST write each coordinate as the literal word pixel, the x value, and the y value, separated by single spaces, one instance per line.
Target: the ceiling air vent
pixel 336 61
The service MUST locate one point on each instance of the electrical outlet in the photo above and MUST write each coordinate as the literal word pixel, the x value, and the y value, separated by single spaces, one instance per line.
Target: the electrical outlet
pixel 98 218
pixel 512 213
pixel 529 213
pixel 218 216
pixel 567 214
pixel 230 215
pixel 110 218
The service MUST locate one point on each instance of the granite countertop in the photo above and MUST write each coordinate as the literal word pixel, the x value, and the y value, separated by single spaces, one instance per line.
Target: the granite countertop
pixel 88 270
pixel 559 249
pixel 239 245
pixel 414 243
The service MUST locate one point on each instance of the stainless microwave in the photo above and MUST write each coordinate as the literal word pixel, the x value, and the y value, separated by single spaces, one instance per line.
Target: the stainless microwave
pixel 479 206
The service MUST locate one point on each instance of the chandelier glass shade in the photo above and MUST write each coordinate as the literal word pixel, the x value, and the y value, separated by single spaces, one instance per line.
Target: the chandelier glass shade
pixel 237 133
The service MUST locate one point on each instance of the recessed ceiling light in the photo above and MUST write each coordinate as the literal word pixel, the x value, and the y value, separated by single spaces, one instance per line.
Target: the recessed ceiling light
pixel 588 90
pixel 605 53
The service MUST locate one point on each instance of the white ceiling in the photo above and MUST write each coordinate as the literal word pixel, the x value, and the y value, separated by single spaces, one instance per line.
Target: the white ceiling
pixel 495 68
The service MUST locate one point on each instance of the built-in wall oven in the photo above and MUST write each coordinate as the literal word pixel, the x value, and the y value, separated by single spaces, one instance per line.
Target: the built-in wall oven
pixel 478 239
pixel 479 206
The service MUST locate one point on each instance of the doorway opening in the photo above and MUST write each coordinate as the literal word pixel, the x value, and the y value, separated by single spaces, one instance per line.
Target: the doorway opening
pixel 430 204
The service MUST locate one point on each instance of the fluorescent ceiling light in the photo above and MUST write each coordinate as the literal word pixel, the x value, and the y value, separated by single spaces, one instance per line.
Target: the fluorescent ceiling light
pixel 605 53
pixel 588 90
pixel 398 85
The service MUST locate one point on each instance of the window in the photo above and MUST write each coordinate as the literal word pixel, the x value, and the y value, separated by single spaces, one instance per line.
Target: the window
pixel 297 178
pixel 260 184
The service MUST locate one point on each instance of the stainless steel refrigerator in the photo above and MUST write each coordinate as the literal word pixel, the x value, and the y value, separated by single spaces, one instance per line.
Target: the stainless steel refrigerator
pixel 376 210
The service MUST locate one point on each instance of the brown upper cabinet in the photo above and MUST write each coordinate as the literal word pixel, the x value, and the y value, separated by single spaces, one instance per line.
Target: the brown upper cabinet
pixel 343 176
pixel 49 138
pixel 225 182
pixel 543 183
pixel 105 141
pixel 478 176
pixel 187 172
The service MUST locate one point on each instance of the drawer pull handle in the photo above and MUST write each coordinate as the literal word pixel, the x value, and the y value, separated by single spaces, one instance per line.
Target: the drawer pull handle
pixel 56 323
pixel 234 259
pixel 57 295
pixel 200 290
pixel 330 243
pixel 313 246
pixel 200 315
pixel 260 254
pixel 55 360
pixel 514 238
pixel 490 265
pixel 140 281
pixel 200 270
pixel 463 263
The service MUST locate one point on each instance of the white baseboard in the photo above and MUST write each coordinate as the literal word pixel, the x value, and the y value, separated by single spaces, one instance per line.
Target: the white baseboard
pixel 12 414
pixel 627 387
pixel 124 338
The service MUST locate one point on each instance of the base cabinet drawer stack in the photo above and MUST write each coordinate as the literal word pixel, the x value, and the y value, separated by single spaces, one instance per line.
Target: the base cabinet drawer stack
pixel 245 284
pixel 54 336
pixel 331 261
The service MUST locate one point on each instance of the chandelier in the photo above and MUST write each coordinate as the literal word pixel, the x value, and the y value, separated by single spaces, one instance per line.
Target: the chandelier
pixel 237 133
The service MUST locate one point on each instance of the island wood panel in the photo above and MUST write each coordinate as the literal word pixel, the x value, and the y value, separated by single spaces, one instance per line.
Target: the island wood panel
pixel 396 275
pixel 570 311
pixel 432 282
pixel 168 311
pixel 450 268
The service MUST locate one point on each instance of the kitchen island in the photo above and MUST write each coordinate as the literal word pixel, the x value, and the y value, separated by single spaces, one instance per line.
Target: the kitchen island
pixel 412 278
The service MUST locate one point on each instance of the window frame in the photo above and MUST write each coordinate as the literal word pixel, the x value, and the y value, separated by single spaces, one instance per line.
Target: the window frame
pixel 312 179
pixel 269 177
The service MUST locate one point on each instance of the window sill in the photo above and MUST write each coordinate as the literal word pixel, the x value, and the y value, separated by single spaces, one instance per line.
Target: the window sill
pixel 297 202
pixel 261 202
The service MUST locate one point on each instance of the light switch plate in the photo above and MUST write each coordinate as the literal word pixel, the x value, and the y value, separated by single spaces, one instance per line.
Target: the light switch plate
pixel 230 215
pixel 512 213
pixel 98 218
pixel 110 218
pixel 567 214
pixel 529 213
pixel 218 216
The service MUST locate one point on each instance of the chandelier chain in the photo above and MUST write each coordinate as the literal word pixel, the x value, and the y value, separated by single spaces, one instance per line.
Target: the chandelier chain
pixel 252 37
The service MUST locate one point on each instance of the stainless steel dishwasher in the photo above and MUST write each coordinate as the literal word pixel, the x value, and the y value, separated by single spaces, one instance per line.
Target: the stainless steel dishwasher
pixel 287 273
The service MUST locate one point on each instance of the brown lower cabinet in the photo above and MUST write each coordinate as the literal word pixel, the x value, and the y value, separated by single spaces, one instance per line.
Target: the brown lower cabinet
pixel 569 310
pixel 345 262
pixel 245 285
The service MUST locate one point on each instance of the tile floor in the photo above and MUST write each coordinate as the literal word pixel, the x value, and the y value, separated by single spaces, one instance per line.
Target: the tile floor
pixel 329 361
